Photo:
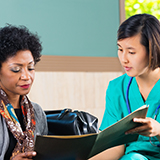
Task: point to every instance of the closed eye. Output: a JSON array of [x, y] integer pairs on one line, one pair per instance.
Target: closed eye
[[119, 49], [132, 52], [31, 69], [15, 69]]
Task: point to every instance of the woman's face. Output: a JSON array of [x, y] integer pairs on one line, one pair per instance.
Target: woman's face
[[133, 56], [17, 74]]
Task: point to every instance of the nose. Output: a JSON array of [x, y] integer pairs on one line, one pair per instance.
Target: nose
[[25, 75], [124, 57]]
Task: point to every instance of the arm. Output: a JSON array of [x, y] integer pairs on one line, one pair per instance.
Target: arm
[[109, 154], [110, 117], [41, 121]]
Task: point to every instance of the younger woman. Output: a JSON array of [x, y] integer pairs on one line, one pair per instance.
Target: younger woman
[[139, 54]]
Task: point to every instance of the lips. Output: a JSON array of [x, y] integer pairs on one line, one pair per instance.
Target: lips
[[26, 86], [127, 68]]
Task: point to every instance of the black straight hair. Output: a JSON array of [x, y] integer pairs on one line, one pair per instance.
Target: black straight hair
[[148, 27]]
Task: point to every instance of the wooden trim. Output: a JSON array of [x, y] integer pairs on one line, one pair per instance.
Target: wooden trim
[[78, 64], [122, 10]]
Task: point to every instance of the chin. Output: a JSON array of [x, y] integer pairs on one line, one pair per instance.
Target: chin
[[131, 74], [24, 92]]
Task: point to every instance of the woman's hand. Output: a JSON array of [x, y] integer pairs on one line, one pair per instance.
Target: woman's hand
[[149, 128], [25, 156]]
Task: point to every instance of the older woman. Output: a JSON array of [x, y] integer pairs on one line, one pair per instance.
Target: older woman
[[20, 119]]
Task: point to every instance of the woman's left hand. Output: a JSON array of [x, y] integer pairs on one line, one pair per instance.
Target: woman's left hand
[[149, 128], [25, 156]]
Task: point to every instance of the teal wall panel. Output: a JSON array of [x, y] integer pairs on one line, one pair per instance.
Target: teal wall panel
[[67, 27]]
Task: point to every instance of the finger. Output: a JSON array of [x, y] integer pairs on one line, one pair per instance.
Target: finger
[[137, 130], [140, 120], [29, 154]]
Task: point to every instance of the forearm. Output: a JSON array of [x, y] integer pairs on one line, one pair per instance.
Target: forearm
[[109, 154]]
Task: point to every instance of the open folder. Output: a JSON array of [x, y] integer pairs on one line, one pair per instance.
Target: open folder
[[83, 147]]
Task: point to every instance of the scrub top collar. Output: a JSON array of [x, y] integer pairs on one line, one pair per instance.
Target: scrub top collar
[[135, 95]]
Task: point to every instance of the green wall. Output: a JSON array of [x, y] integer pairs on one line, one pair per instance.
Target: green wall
[[67, 27]]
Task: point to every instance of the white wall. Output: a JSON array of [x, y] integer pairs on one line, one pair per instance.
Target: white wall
[[77, 90]]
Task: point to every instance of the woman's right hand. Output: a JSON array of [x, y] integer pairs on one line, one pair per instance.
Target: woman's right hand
[[25, 156]]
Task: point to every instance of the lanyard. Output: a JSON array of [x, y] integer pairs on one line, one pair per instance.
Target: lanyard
[[129, 110], [127, 92]]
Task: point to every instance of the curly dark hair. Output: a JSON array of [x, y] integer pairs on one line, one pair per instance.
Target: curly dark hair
[[14, 39]]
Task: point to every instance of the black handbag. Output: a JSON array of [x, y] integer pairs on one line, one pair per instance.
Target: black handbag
[[68, 122]]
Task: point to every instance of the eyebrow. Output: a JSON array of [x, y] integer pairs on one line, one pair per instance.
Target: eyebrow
[[127, 47], [19, 64]]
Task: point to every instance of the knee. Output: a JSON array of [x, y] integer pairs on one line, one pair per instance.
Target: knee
[[133, 156]]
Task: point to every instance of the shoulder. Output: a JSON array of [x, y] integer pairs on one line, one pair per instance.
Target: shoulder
[[119, 83], [120, 80], [117, 87], [38, 110], [37, 107]]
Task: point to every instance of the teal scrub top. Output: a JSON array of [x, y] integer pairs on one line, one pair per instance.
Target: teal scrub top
[[116, 109]]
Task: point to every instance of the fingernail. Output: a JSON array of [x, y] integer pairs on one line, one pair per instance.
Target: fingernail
[[34, 153], [134, 119]]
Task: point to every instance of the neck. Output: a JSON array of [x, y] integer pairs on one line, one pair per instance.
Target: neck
[[149, 78], [147, 81], [13, 98], [14, 101]]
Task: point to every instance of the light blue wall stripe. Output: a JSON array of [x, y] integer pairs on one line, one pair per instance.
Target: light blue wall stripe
[[67, 27]]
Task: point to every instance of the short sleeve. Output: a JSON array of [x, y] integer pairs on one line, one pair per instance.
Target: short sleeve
[[110, 114]]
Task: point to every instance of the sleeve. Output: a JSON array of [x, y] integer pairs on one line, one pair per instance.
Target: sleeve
[[110, 113], [41, 121]]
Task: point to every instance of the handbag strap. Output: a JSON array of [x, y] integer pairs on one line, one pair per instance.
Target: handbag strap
[[64, 112], [79, 115]]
